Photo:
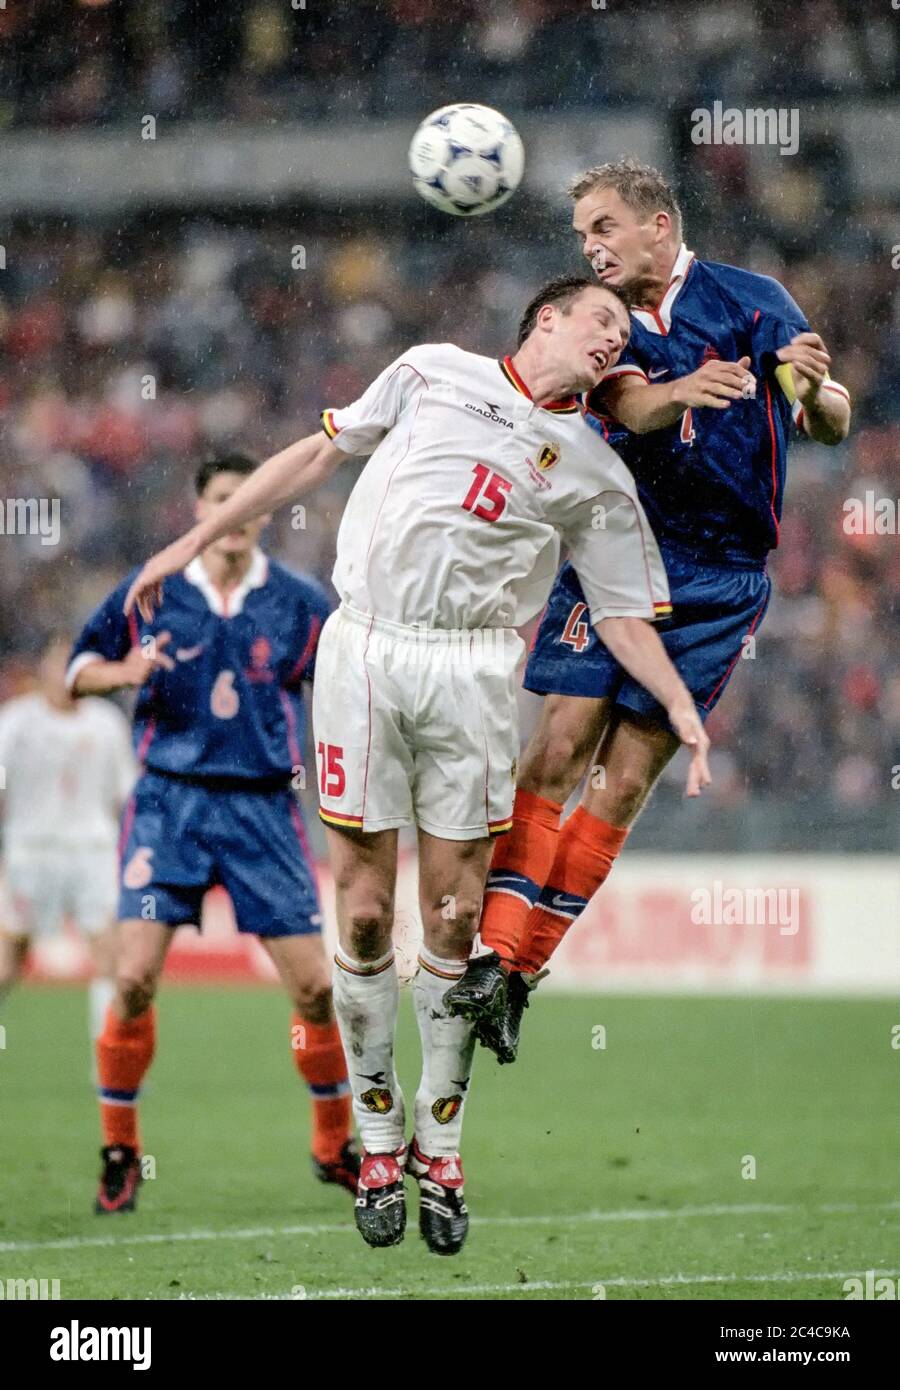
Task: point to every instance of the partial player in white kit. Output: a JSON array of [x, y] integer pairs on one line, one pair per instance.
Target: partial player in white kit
[[450, 539], [68, 770]]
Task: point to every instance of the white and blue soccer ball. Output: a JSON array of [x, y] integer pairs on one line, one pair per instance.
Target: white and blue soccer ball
[[466, 159]]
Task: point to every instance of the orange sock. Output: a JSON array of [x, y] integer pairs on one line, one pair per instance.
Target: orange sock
[[320, 1061], [124, 1052], [586, 851], [522, 860]]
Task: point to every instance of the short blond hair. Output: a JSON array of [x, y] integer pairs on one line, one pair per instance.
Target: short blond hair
[[641, 186]]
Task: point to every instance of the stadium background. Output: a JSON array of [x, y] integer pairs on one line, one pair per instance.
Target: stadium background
[[264, 256]]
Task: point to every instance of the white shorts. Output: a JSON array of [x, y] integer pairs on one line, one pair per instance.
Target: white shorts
[[416, 726], [45, 886]]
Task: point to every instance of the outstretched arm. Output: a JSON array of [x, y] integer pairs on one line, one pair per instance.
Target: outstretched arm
[[282, 477], [642, 406]]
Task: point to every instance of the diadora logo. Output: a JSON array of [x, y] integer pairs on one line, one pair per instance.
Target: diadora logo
[[492, 413]]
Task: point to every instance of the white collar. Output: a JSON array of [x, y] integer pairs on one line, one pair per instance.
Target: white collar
[[659, 320], [230, 604]]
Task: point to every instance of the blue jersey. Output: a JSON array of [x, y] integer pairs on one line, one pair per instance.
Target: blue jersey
[[712, 484], [232, 706]]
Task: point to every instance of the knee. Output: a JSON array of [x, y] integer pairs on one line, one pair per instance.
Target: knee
[[312, 998], [368, 927], [625, 793], [135, 991], [554, 767], [451, 925]]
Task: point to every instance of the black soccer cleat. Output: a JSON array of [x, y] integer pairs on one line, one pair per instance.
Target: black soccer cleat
[[119, 1180], [480, 993], [344, 1171], [501, 1035], [380, 1199], [443, 1214]]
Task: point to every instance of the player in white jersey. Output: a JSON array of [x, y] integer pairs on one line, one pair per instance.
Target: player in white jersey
[[68, 769], [450, 539]]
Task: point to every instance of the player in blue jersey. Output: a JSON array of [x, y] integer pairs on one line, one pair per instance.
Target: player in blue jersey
[[720, 367], [219, 727]]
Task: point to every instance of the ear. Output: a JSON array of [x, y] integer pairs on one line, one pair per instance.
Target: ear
[[545, 317], [663, 225]]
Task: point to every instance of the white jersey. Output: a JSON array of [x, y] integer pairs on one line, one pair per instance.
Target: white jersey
[[67, 774], [456, 519]]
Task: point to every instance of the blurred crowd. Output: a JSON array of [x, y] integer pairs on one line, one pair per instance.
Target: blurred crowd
[[77, 62]]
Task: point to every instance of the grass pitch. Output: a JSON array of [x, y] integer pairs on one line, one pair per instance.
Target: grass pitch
[[622, 1170]]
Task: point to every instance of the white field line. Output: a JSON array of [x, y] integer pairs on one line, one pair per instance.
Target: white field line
[[553, 1286], [348, 1228]]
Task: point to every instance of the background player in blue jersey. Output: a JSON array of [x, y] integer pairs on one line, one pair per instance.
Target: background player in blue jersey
[[219, 727], [720, 367]]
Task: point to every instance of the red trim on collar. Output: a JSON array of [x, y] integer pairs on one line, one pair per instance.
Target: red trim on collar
[[509, 371], [506, 366]]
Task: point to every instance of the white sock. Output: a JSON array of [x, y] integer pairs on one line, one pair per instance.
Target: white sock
[[447, 1048], [366, 998], [100, 996]]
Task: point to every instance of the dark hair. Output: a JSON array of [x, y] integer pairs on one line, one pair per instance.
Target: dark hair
[[641, 186], [562, 291], [225, 463]]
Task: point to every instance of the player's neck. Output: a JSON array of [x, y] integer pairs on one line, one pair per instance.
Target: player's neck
[[541, 378], [60, 701], [226, 571], [648, 291]]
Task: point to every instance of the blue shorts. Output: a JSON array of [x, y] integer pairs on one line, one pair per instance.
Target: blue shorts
[[714, 611], [180, 839]]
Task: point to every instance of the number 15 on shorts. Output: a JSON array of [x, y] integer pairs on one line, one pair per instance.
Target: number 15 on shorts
[[332, 781]]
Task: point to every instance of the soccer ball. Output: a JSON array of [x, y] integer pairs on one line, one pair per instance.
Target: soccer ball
[[466, 159]]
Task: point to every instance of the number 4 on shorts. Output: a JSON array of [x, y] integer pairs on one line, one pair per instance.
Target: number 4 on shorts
[[332, 781], [576, 632]]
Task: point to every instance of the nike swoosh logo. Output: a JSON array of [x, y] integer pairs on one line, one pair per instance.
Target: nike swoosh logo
[[188, 653], [662, 371], [561, 902]]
